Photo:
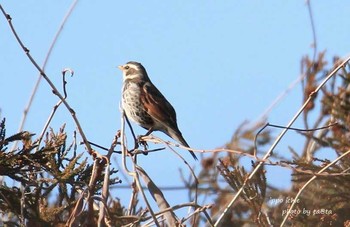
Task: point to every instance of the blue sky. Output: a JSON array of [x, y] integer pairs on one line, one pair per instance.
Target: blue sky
[[219, 64]]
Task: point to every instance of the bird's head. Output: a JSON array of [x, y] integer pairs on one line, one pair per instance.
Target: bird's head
[[133, 71]]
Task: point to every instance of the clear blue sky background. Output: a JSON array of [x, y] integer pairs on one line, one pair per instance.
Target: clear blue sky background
[[219, 64]]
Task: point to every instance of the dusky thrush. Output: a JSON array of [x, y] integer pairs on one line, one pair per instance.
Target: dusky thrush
[[144, 104]]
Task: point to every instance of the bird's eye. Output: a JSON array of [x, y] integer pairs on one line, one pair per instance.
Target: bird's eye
[[126, 67]]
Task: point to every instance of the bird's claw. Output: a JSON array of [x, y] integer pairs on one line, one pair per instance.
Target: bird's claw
[[140, 141]]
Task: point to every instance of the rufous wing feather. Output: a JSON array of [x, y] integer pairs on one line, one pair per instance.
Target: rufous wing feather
[[160, 109]]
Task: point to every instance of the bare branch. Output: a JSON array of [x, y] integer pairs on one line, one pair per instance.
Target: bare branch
[[47, 57], [42, 73]]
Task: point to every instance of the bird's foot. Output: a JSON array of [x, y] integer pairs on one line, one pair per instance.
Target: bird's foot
[[143, 143]]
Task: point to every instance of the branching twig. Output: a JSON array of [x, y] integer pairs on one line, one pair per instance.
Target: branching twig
[[47, 57], [42, 73], [287, 128], [64, 82]]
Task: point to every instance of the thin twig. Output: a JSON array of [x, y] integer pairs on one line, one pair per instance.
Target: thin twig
[[304, 130], [136, 142], [101, 147], [312, 144], [313, 29], [288, 128], [280, 97], [123, 145], [154, 139], [308, 172]]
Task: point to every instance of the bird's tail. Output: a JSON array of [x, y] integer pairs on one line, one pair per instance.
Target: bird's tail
[[178, 137]]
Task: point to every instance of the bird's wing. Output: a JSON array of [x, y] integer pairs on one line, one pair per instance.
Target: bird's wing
[[157, 106]]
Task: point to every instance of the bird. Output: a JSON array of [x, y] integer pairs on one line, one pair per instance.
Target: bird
[[145, 105]]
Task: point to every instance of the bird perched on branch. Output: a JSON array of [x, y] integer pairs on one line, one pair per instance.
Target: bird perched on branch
[[144, 103]]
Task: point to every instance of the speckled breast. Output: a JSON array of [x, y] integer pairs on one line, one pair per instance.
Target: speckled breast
[[133, 107]]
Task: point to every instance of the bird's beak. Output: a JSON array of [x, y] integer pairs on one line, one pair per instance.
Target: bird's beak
[[121, 67]]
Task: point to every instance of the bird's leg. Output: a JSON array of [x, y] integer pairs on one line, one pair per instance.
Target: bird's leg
[[139, 138], [144, 143], [150, 130]]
